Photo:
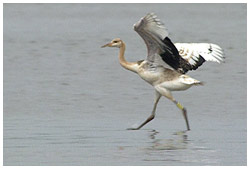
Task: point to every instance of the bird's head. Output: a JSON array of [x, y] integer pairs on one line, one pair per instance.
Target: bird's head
[[117, 42]]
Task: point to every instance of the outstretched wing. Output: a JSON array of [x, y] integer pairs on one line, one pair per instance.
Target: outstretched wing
[[161, 50]]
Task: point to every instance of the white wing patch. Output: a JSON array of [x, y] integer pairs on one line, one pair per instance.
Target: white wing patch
[[191, 52]]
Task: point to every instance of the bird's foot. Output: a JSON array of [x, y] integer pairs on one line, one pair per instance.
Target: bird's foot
[[133, 128]]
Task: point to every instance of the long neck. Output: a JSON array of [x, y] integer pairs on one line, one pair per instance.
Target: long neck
[[132, 66]]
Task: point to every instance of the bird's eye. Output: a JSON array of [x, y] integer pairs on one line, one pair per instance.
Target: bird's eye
[[115, 41]]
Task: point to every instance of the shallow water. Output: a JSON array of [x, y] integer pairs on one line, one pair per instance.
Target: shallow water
[[68, 102]]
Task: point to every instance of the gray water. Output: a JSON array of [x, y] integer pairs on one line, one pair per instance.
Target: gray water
[[68, 102]]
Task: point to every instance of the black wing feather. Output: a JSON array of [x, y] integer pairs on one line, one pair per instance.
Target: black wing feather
[[172, 58]]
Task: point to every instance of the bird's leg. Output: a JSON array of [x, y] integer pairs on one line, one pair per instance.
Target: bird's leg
[[168, 95], [152, 116], [184, 111]]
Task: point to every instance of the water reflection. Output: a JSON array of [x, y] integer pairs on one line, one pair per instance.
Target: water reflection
[[178, 141], [177, 148]]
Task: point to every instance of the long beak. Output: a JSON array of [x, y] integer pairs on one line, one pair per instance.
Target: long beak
[[108, 44]]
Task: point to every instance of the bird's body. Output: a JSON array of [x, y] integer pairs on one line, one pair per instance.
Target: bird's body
[[159, 76], [167, 63]]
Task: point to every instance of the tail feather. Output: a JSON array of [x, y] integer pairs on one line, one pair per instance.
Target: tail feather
[[190, 81], [199, 83]]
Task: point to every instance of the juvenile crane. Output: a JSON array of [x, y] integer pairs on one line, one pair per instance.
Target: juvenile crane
[[166, 63]]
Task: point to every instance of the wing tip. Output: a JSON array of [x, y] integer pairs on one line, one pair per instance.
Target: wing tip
[[152, 14], [217, 53], [152, 24]]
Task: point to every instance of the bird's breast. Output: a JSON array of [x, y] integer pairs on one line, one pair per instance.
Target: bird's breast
[[149, 73]]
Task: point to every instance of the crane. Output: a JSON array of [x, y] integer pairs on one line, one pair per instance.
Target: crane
[[166, 63]]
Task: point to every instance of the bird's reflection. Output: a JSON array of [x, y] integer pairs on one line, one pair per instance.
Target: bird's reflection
[[178, 140], [153, 133]]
